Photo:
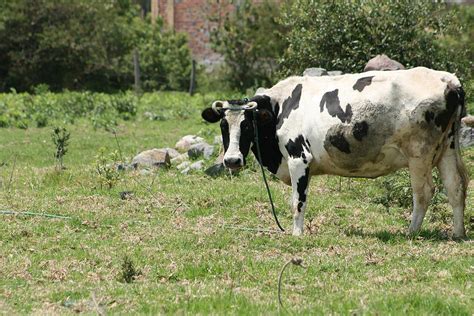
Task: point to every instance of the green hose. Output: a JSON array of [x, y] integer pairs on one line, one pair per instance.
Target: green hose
[[34, 214]]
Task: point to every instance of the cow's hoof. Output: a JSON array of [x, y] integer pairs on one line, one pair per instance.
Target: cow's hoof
[[297, 232], [459, 236], [412, 234]]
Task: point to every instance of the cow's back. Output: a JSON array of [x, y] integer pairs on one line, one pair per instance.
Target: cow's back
[[366, 124]]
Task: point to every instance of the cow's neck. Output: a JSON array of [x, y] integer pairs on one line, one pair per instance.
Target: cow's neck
[[268, 142], [271, 155]]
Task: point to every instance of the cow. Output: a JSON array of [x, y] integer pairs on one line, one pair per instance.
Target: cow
[[354, 125]]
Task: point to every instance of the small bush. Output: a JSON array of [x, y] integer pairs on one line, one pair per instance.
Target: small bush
[[128, 272], [106, 169], [60, 137]]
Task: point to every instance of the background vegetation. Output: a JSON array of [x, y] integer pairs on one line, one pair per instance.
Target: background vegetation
[[344, 35], [86, 45]]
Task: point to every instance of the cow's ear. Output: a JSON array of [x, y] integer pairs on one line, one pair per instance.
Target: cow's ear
[[210, 115], [265, 117]]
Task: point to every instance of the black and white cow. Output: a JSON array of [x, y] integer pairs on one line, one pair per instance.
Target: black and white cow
[[354, 125]]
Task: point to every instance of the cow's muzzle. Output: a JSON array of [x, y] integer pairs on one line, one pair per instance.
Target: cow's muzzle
[[233, 163]]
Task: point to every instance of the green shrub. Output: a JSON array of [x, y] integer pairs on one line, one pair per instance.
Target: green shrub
[[344, 35], [397, 191], [106, 169], [60, 138], [86, 45]]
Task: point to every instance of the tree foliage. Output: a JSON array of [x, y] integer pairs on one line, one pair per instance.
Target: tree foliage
[[84, 44], [344, 35], [249, 38]]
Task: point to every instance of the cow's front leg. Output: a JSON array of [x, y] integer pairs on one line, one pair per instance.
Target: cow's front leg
[[299, 173]]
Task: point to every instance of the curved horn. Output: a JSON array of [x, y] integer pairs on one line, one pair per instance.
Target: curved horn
[[217, 106], [251, 105]]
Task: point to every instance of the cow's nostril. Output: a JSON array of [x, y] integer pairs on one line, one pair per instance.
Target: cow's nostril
[[233, 162]]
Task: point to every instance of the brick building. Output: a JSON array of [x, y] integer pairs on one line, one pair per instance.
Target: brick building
[[193, 18]]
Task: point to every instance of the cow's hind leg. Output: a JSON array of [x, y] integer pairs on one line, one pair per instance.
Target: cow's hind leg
[[422, 185], [455, 181]]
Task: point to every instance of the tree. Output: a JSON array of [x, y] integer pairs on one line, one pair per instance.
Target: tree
[[84, 44], [344, 35], [249, 38]]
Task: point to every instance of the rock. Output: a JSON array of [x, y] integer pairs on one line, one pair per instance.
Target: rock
[[201, 149], [149, 115], [217, 140], [152, 158], [218, 168], [126, 195], [335, 73], [124, 167], [215, 170], [260, 90], [184, 143], [183, 165], [468, 120], [383, 62], [180, 158], [466, 137], [198, 165], [315, 72], [144, 172], [172, 152]]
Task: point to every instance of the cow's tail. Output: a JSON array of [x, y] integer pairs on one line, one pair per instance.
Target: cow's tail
[[456, 96]]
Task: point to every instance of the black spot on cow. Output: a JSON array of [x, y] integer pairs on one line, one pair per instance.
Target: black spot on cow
[[339, 141], [296, 147], [331, 100], [301, 188], [246, 137], [360, 130], [225, 133], [290, 104], [276, 109], [429, 116], [454, 98], [361, 83]]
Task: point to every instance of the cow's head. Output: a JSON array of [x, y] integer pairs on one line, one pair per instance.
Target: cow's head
[[237, 126]]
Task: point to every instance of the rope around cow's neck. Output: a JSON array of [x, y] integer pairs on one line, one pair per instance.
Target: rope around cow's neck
[[259, 158]]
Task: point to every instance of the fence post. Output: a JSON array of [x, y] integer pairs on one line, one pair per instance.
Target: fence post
[[136, 71], [192, 82]]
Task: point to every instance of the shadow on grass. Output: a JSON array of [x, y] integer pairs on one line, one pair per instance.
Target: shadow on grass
[[387, 236]]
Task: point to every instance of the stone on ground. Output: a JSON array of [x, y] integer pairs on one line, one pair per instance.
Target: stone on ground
[[152, 158], [383, 62], [180, 158], [468, 120], [315, 72], [335, 73], [198, 165], [200, 149], [185, 142]]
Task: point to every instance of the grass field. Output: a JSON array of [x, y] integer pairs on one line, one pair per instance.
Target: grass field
[[180, 236]]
